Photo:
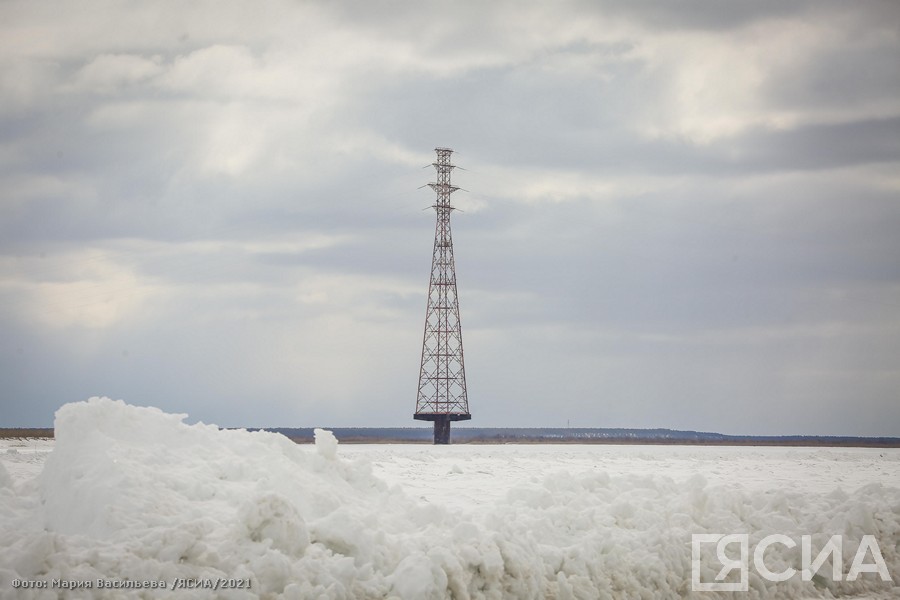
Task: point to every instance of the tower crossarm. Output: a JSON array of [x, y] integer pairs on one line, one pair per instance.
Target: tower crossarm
[[443, 188]]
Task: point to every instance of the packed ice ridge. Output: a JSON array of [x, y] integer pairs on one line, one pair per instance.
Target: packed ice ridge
[[135, 493]]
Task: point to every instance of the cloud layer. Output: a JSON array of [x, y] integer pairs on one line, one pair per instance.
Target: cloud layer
[[675, 218]]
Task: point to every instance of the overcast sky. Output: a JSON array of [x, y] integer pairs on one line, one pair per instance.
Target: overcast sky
[[678, 215]]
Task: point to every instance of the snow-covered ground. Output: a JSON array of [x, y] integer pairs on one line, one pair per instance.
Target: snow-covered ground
[[129, 494], [476, 477]]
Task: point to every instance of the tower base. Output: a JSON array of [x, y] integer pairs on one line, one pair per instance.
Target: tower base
[[441, 424]]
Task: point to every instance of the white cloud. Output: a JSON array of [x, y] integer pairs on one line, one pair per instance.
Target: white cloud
[[82, 290], [109, 73], [718, 84]]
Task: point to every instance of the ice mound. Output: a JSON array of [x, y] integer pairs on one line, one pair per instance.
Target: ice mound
[[133, 493], [326, 443]]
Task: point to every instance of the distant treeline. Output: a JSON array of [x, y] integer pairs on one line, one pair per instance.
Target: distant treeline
[[26, 432], [503, 435], [546, 435]]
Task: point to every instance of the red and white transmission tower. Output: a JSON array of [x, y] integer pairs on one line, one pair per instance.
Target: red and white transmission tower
[[442, 377]]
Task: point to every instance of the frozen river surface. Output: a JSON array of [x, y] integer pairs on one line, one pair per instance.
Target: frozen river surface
[[130, 496], [473, 477]]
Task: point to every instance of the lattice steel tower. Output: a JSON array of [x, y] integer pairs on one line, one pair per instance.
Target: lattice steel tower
[[442, 377]]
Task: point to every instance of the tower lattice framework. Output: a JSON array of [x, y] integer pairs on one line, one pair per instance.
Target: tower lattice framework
[[442, 396]]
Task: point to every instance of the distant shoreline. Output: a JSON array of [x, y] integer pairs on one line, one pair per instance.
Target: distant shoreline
[[613, 442], [545, 436]]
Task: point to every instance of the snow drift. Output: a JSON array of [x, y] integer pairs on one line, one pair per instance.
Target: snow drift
[[133, 493]]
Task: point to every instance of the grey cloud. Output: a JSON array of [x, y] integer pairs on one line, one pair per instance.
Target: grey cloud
[[845, 75], [813, 147], [696, 14]]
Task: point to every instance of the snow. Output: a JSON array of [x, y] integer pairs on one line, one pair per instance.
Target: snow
[[326, 443], [128, 493], [477, 476]]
